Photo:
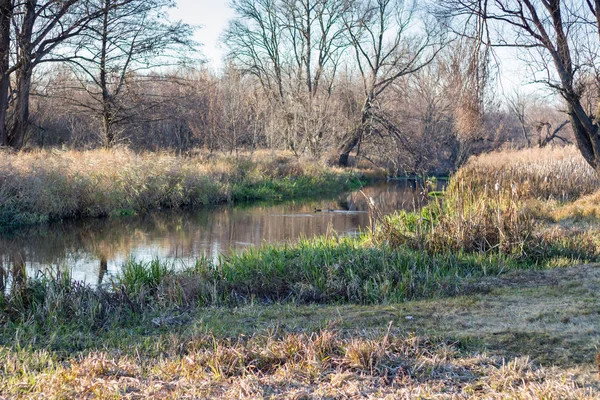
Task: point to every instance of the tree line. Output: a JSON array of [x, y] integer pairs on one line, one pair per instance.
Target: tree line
[[411, 86]]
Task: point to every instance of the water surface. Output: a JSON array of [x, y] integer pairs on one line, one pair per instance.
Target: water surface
[[94, 250]]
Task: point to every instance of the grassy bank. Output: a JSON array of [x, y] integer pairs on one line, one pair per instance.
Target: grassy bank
[[347, 270], [50, 185], [525, 335]]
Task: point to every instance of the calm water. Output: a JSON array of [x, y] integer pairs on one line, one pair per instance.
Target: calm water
[[94, 250]]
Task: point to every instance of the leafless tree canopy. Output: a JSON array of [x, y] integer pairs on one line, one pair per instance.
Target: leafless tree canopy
[[560, 40], [402, 84]]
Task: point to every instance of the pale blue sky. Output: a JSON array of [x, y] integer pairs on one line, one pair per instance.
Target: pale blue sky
[[212, 15]]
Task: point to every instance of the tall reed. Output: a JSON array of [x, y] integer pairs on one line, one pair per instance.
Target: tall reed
[[49, 185], [558, 173]]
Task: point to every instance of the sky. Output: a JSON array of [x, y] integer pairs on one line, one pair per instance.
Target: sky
[[212, 16]]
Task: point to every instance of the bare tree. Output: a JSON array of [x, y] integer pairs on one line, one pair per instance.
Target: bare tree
[[386, 49], [517, 103], [293, 47], [117, 51], [254, 39], [547, 137], [37, 28], [534, 114], [315, 31], [6, 8], [561, 39]]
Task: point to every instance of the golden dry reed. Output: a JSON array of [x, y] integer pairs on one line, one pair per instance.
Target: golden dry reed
[[558, 173], [49, 185]]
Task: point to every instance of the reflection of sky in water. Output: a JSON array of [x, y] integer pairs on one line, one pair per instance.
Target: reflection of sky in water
[[96, 249]]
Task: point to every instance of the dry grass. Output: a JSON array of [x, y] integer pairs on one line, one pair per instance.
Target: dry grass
[[47, 185], [558, 173], [584, 208], [554, 184], [325, 364], [508, 202], [488, 344], [466, 219], [489, 222]]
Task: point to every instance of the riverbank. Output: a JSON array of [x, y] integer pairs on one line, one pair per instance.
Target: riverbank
[[54, 185], [525, 335], [484, 290]]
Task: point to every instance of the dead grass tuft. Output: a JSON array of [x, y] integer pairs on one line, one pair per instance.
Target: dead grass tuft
[[291, 366]]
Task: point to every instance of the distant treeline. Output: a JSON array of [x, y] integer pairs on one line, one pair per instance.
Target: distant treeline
[[379, 82]]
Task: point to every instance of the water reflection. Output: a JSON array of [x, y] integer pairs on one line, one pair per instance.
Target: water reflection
[[94, 250]]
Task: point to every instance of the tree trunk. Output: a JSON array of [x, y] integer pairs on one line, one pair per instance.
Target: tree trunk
[[107, 112], [348, 145], [107, 126], [19, 130], [586, 134], [24, 73], [354, 137], [5, 18]]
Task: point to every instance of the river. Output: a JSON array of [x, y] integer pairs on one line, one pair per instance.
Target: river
[[94, 250]]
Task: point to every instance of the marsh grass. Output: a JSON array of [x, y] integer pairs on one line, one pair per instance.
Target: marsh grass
[[559, 173], [50, 185], [506, 203], [492, 222]]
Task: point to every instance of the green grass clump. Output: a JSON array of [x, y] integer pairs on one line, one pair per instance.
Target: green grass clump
[[345, 270], [330, 270], [137, 278], [292, 187]]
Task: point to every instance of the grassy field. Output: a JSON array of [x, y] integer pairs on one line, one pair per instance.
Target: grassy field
[[50, 185], [485, 293], [522, 335]]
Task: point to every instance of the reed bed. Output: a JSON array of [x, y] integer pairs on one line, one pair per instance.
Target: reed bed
[[558, 173], [488, 221], [50, 185], [506, 203]]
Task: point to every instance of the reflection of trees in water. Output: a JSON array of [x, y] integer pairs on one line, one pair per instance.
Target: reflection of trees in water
[[3, 274], [18, 276], [401, 195], [103, 269], [12, 268], [190, 234]]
